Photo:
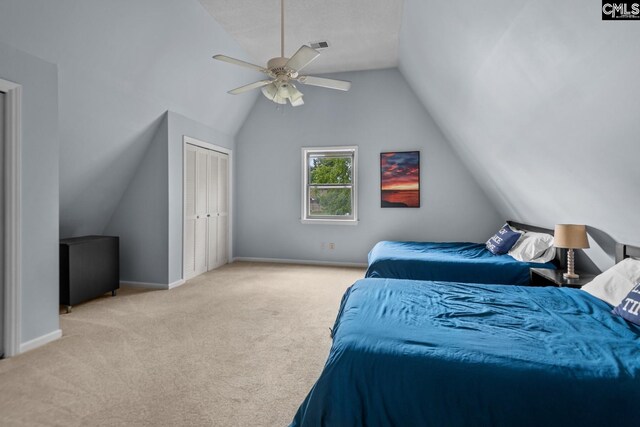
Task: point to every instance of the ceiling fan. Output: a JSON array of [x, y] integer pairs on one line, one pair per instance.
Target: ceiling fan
[[283, 72]]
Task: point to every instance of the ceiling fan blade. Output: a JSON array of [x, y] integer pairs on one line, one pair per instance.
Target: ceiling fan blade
[[247, 88], [324, 82], [230, 60], [302, 58]]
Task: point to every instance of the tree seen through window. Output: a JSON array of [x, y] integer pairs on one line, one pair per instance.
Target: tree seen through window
[[330, 186]]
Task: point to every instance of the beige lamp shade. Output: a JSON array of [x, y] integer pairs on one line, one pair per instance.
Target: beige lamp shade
[[572, 236]]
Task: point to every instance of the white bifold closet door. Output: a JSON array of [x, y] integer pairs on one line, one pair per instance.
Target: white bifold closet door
[[206, 210]]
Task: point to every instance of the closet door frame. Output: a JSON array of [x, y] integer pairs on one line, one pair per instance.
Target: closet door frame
[[12, 202], [187, 140]]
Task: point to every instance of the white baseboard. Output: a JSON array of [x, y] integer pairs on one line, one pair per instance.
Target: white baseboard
[[40, 341], [302, 262], [149, 285], [145, 285], [176, 283]]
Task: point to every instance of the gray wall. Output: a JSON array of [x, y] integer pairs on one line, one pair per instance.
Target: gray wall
[[148, 218], [39, 233], [141, 218], [380, 113], [540, 99], [122, 64]]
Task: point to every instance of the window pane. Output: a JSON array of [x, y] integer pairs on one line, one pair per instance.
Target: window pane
[[330, 170], [330, 202]]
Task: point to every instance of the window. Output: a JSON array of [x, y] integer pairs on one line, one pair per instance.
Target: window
[[329, 189]]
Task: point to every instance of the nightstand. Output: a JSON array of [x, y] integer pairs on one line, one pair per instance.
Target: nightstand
[[549, 277]]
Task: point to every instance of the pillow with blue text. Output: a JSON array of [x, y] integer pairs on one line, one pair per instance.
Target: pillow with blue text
[[503, 240], [629, 308]]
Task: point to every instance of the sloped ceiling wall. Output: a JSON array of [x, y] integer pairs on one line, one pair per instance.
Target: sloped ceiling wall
[[121, 65], [541, 99]]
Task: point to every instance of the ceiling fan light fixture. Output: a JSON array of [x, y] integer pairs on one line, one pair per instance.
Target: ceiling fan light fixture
[[284, 90], [295, 96], [271, 92], [296, 102], [280, 93]]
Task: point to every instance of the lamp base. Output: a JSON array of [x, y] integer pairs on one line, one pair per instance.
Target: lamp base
[[571, 272]]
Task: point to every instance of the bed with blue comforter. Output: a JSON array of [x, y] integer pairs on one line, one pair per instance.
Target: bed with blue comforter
[[451, 354], [448, 261]]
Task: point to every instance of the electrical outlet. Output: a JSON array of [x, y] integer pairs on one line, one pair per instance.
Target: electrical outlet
[[332, 246]]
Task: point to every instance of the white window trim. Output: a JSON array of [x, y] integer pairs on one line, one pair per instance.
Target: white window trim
[[305, 178], [12, 224]]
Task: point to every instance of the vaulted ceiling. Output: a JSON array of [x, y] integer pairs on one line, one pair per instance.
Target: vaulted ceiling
[[121, 65], [363, 34], [541, 100]]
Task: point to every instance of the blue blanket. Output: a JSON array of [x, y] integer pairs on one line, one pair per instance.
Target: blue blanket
[[451, 354], [450, 262]]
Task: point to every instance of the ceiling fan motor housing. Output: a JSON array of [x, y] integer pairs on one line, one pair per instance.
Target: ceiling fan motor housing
[[277, 67]]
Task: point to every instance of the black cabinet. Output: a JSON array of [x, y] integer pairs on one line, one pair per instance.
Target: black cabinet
[[89, 267]]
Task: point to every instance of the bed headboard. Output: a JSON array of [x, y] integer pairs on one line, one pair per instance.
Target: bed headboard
[[559, 260], [626, 251], [532, 228]]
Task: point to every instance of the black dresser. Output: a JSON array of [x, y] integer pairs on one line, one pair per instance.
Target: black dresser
[[89, 268]]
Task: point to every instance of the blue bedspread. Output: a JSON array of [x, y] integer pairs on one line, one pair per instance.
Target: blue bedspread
[[451, 354], [450, 262]]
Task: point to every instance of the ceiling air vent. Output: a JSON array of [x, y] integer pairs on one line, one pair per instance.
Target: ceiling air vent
[[319, 45]]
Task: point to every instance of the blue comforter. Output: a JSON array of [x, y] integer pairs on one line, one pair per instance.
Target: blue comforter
[[451, 354], [450, 262]]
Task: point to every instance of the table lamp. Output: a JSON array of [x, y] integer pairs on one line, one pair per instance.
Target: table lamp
[[570, 237]]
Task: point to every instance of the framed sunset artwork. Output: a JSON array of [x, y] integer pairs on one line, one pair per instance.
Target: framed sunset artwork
[[400, 179]]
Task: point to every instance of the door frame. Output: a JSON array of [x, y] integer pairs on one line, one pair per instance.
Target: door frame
[[11, 244], [187, 140]]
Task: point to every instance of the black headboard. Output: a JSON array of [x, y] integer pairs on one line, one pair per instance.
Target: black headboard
[[532, 228], [626, 251], [559, 260]]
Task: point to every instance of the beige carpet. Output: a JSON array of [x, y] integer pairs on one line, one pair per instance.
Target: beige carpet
[[240, 346]]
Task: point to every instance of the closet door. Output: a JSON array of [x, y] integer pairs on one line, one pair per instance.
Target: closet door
[[202, 162], [190, 212], [212, 211], [206, 226], [223, 209]]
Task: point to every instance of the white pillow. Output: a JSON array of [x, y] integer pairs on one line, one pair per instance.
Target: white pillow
[[534, 247], [614, 284]]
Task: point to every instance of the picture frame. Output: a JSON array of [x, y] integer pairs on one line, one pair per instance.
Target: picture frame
[[400, 179]]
